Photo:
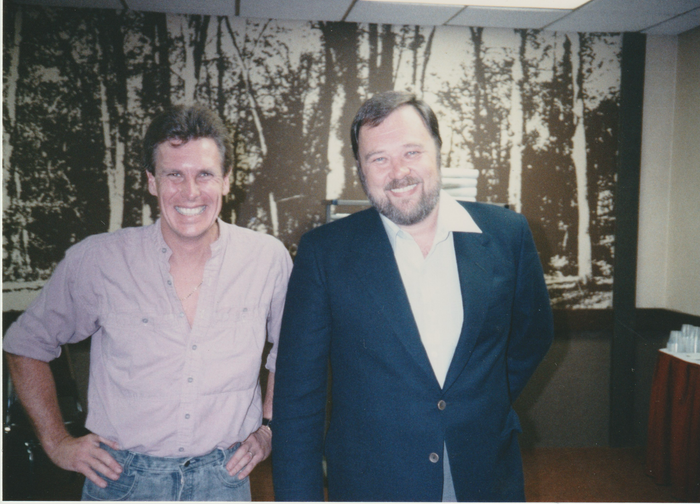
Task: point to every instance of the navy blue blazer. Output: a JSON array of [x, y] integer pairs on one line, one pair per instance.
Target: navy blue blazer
[[346, 302]]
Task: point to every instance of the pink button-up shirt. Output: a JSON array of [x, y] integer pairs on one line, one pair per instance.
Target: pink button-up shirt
[[156, 385]]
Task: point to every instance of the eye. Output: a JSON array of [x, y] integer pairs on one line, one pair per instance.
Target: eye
[[173, 175], [206, 176]]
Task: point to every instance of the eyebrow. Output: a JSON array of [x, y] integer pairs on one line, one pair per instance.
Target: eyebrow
[[373, 153], [381, 151]]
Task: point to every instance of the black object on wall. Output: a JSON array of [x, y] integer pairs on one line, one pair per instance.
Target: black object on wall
[[623, 349]]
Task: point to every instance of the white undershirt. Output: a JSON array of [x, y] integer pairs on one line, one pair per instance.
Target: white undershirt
[[432, 282]]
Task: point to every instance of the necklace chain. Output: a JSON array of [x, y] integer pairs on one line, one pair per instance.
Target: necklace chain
[[193, 291]]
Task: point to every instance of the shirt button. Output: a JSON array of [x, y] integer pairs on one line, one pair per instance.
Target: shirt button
[[190, 379], [442, 405], [164, 250], [434, 457], [194, 347], [187, 416], [144, 320], [170, 282], [181, 449], [182, 314]]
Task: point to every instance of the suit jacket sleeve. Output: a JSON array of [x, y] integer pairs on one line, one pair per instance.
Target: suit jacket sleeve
[[301, 382], [532, 327]]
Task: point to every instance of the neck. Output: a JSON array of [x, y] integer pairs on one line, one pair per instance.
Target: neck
[[423, 232], [190, 250]]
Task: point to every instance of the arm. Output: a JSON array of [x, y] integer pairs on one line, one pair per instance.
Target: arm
[[36, 390], [532, 328], [258, 445]]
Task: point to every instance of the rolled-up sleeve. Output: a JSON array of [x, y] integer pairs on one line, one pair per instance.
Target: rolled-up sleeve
[[62, 312], [274, 319]]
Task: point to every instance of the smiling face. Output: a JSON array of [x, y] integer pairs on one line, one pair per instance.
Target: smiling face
[[189, 184], [399, 163]]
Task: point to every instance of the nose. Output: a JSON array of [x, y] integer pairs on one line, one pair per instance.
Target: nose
[[190, 188], [400, 168]]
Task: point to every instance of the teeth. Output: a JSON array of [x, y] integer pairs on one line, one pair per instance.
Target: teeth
[[404, 189], [190, 211]]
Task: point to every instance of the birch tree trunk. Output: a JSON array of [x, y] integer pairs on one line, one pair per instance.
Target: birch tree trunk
[[274, 219], [254, 108], [426, 58], [18, 245], [179, 26], [114, 163], [335, 178], [10, 107], [516, 121], [579, 157]]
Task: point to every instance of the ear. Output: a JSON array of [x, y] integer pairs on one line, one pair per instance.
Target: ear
[[360, 173], [227, 183], [152, 186]]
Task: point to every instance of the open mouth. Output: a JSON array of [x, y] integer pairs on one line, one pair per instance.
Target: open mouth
[[190, 211], [403, 189], [404, 185]]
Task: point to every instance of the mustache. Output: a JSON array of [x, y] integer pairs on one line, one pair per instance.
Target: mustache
[[399, 183]]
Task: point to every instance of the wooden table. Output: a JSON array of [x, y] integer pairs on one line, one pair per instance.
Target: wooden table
[[673, 443]]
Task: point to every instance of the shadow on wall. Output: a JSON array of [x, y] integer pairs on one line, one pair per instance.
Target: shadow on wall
[[530, 399], [566, 402]]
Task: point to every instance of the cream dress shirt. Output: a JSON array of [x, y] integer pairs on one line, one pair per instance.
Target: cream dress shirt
[[432, 282]]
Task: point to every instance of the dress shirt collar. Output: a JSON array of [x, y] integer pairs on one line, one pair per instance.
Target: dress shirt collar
[[452, 217], [216, 247]]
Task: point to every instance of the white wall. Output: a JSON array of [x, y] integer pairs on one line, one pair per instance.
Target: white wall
[[655, 183], [668, 267], [683, 281]]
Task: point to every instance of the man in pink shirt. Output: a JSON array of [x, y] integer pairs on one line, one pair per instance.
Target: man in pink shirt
[[179, 312]]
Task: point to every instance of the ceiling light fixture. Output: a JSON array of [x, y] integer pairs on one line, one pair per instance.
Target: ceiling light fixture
[[520, 4]]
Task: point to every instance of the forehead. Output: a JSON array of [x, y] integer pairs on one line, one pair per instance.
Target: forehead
[[403, 125], [200, 153]]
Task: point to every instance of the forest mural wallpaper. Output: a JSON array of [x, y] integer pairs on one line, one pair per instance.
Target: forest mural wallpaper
[[536, 113]]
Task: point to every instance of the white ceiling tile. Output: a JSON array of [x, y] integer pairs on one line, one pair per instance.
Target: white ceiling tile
[[507, 18], [622, 15], [211, 7], [676, 25], [661, 17], [405, 14], [306, 10]]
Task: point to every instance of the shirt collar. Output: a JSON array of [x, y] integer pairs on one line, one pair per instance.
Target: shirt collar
[[452, 217], [166, 252]]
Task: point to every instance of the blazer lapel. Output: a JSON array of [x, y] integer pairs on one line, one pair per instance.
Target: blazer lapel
[[475, 277], [376, 266]]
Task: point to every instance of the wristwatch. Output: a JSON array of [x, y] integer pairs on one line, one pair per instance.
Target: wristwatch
[[267, 422]]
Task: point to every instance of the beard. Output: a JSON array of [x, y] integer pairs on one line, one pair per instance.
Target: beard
[[410, 216]]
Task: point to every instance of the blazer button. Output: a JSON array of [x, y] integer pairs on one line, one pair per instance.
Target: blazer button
[[442, 405], [434, 457]]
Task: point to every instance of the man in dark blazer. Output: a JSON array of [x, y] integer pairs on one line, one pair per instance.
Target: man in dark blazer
[[433, 313]]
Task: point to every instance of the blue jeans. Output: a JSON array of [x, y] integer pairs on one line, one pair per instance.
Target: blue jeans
[[147, 478]]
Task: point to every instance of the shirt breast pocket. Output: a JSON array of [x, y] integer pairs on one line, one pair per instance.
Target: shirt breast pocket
[[141, 351]]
